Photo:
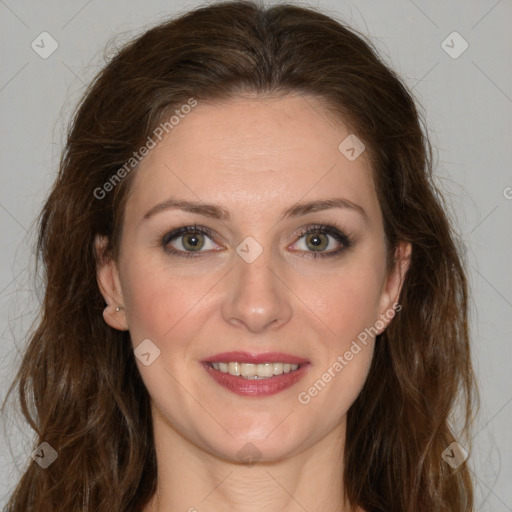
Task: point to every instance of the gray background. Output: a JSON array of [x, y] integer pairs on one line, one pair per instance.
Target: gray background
[[468, 106]]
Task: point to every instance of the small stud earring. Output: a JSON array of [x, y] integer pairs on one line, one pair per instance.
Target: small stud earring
[[118, 309]]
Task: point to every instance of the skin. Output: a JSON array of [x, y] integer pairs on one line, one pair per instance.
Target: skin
[[255, 157]]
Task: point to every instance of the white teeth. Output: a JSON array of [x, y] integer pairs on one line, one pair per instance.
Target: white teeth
[[233, 369], [255, 371]]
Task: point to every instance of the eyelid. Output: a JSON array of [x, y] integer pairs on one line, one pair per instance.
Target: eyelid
[[168, 236], [338, 234], [343, 239], [181, 230]]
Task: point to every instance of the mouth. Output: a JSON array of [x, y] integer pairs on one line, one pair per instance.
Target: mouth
[[251, 371], [256, 375]]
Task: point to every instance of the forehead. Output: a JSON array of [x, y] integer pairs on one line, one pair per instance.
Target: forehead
[[251, 153]]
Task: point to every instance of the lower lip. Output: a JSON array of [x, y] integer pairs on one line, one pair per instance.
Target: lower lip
[[257, 387]]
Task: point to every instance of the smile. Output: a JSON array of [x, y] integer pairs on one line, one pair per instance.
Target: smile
[[256, 380], [254, 371]]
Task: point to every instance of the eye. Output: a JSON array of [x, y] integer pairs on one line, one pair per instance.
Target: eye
[[187, 240], [322, 241], [315, 241]]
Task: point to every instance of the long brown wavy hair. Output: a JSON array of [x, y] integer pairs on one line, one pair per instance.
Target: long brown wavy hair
[[79, 387]]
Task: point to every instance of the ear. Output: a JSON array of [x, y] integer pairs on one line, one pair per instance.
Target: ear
[[393, 285], [107, 276]]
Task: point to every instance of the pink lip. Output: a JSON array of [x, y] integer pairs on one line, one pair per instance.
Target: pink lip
[[255, 388], [247, 357]]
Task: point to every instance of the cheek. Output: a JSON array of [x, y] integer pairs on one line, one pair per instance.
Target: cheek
[[158, 301], [348, 307], [347, 301]]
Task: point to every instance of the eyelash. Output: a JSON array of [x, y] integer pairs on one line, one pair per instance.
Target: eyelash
[[345, 240]]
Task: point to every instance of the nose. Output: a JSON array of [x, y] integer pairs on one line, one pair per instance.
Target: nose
[[257, 298]]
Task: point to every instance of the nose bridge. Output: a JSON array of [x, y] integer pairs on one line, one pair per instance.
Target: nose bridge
[[256, 297]]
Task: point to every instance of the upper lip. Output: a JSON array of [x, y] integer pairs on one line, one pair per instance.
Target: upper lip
[[252, 358]]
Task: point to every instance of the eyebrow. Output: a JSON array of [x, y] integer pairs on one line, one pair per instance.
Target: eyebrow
[[218, 212]]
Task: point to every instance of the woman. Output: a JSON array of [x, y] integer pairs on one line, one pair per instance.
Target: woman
[[253, 295]]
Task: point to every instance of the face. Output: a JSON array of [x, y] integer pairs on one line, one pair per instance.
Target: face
[[247, 230]]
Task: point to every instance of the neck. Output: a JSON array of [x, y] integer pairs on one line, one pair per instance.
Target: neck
[[193, 478]]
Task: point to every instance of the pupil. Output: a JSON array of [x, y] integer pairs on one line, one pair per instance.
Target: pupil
[[192, 241], [316, 241]]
